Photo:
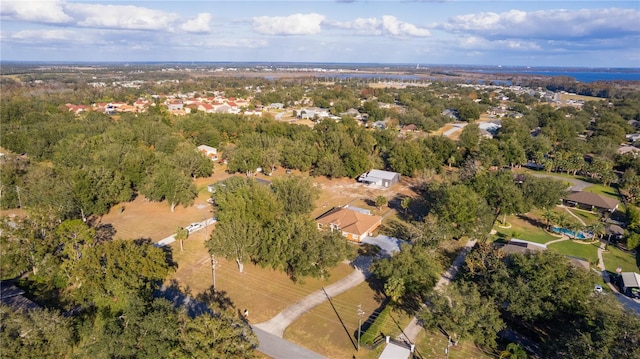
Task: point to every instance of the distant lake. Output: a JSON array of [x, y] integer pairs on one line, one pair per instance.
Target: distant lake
[[345, 76], [581, 76]]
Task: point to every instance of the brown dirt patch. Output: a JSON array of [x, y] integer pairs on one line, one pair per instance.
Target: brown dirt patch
[[142, 218]]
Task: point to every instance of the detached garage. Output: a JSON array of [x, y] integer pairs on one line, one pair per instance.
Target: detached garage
[[380, 178]]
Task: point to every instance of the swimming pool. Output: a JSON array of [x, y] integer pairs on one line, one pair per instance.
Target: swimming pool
[[570, 233]]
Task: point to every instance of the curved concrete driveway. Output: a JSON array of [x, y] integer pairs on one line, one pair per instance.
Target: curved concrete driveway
[[282, 320], [576, 184]]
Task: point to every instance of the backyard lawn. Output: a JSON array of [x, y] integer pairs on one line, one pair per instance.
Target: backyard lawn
[[523, 228], [432, 345], [614, 258], [588, 251]]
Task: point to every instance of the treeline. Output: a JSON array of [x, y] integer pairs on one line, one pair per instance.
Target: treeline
[[542, 296], [101, 298], [97, 161]]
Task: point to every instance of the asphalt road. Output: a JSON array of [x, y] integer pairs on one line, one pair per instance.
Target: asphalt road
[[277, 347]]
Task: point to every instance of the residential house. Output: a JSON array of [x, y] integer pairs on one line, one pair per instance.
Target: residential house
[[627, 149], [13, 297], [591, 201], [175, 105], [519, 246], [409, 128], [206, 107], [380, 178], [209, 151], [354, 224], [525, 247]]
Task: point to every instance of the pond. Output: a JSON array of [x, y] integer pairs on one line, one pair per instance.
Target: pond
[[570, 233]]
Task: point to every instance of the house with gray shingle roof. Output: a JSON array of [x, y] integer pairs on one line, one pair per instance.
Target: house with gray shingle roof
[[591, 201]]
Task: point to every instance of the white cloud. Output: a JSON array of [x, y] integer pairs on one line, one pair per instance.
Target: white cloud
[[394, 27], [48, 36], [48, 12], [297, 24], [120, 17], [479, 43], [230, 43], [387, 25], [199, 24], [549, 24]]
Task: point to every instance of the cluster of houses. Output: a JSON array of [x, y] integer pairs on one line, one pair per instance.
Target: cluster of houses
[[175, 104]]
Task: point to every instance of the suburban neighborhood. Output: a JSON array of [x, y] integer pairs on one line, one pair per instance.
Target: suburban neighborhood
[[303, 215]]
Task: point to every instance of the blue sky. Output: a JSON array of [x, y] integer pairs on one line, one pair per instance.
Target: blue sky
[[526, 33]]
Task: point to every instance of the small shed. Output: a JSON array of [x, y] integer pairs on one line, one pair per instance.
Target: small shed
[[630, 284], [380, 178]]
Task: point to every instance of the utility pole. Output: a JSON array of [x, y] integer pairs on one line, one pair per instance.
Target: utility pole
[[213, 270], [360, 314]]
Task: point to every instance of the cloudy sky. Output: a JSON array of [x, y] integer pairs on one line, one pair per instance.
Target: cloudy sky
[[528, 33]]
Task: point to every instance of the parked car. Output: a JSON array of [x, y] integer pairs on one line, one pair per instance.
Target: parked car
[[193, 227]]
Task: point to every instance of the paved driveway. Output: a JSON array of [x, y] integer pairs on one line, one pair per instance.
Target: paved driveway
[[387, 244], [576, 184]]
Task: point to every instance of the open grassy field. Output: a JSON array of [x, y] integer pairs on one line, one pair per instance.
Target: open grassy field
[[588, 251], [614, 258], [571, 96]]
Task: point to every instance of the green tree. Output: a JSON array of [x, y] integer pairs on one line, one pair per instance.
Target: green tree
[[115, 274], [381, 201], [40, 333], [297, 192], [181, 235], [461, 312], [513, 351], [193, 163], [144, 329], [406, 157], [416, 266], [470, 138], [405, 203], [168, 183], [214, 335], [235, 238]]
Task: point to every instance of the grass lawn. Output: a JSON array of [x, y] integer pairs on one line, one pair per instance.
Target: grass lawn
[[432, 345], [331, 327], [523, 228], [588, 251], [603, 190], [615, 257], [586, 216], [264, 292]]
